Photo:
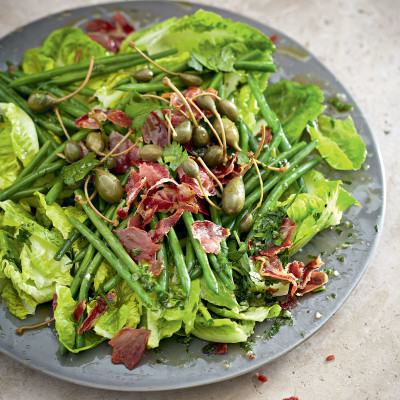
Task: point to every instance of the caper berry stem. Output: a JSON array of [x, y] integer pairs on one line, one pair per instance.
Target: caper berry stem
[[171, 129], [167, 82], [207, 121], [93, 115], [206, 196], [200, 160], [225, 157], [261, 186], [57, 112], [153, 96]]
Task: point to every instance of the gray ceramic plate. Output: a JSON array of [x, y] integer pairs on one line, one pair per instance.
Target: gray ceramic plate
[[173, 367]]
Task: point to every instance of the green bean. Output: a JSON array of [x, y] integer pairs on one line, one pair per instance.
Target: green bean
[[279, 189], [179, 259], [23, 194], [29, 179], [221, 275], [271, 118], [200, 254], [190, 258], [163, 278], [216, 80], [252, 197], [255, 66], [36, 160], [80, 135], [55, 191], [252, 183], [149, 87], [181, 67], [81, 255], [72, 77], [244, 138], [7, 80], [196, 273], [115, 262], [112, 241], [84, 92], [44, 76]]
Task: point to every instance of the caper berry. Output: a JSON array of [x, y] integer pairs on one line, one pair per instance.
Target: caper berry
[[72, 151], [151, 152], [233, 196], [206, 102], [41, 101], [246, 223], [213, 156], [144, 75], [190, 168], [95, 142], [200, 136], [108, 186], [231, 132], [110, 162], [191, 80], [183, 132], [229, 109]]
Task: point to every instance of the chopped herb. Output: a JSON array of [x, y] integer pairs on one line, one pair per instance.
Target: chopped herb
[[73, 173], [174, 155], [349, 234], [347, 182], [376, 229], [303, 333], [341, 259], [333, 295], [209, 348], [247, 346], [320, 289], [339, 231], [340, 106], [194, 64], [159, 361], [286, 314], [242, 159], [135, 252], [186, 340], [139, 108]]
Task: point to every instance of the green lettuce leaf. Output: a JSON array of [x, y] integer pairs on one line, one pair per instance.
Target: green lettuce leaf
[[222, 330], [66, 326], [224, 298], [295, 105], [18, 303], [58, 216], [318, 209], [60, 48], [339, 142], [18, 142], [214, 42], [126, 296], [258, 314]]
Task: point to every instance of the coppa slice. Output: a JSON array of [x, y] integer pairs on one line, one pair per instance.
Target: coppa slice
[[209, 235]]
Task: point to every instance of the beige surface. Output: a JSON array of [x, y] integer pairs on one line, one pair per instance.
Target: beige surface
[[360, 44]]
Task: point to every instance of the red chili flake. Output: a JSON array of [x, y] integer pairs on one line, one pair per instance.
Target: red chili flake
[[262, 378], [330, 358], [215, 348], [251, 356], [274, 38], [55, 297], [292, 398]]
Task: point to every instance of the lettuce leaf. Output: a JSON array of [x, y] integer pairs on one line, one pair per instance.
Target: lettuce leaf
[[215, 42], [318, 209], [126, 296], [60, 49], [339, 142], [295, 105], [224, 298], [18, 142], [258, 314], [66, 326], [222, 330]]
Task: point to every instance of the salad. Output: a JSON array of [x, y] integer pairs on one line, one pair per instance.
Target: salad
[[154, 183]]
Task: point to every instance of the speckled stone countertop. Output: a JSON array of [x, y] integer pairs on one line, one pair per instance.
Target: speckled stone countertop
[[359, 41]]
